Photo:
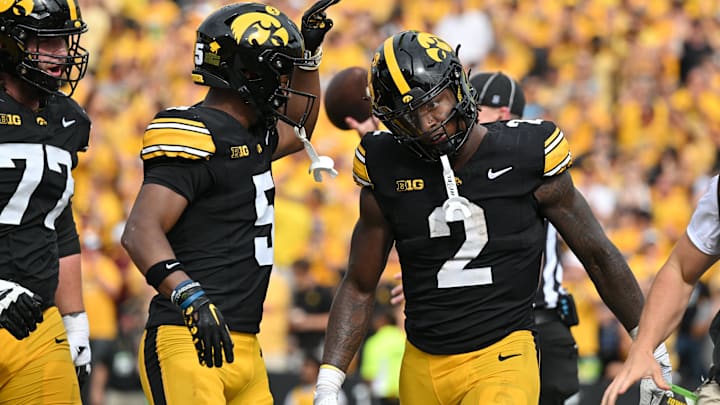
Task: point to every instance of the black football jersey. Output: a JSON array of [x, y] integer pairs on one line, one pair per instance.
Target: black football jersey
[[467, 283], [224, 238], [38, 151]]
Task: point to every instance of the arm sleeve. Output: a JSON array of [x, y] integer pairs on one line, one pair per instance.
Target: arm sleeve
[[67, 237]]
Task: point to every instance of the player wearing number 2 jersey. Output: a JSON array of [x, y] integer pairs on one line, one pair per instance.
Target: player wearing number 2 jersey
[[498, 246], [464, 205]]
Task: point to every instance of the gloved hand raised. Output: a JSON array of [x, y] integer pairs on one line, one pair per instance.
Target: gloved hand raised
[[315, 24]]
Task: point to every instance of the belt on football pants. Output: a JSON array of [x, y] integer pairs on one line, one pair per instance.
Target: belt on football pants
[[546, 315]]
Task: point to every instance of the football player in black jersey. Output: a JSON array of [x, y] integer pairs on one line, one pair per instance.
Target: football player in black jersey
[[464, 204], [43, 326], [201, 229], [500, 99]]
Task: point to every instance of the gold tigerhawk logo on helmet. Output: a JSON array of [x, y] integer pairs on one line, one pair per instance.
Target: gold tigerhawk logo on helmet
[[258, 28], [19, 7], [437, 49]]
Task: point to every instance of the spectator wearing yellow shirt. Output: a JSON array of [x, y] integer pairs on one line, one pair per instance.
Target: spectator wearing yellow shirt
[[275, 325]]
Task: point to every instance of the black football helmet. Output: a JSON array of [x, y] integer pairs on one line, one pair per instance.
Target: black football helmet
[[24, 22], [247, 47], [410, 69]]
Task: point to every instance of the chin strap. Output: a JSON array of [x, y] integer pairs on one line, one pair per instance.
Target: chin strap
[[319, 164], [456, 207]]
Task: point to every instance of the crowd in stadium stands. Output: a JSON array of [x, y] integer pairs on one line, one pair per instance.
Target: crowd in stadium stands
[[634, 85]]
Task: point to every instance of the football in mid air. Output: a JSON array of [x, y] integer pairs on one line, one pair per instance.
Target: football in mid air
[[346, 96]]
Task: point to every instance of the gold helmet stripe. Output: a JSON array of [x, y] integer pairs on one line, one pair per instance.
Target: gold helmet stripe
[[393, 66], [73, 10]]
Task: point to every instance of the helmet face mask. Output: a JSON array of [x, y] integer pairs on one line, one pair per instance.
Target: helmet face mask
[[252, 49], [412, 75], [28, 26]]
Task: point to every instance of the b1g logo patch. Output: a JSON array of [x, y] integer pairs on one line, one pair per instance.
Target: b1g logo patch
[[410, 185], [10, 119]]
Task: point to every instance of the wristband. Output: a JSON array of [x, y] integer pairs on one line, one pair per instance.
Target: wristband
[[330, 379], [76, 323], [312, 60], [185, 293], [160, 270]]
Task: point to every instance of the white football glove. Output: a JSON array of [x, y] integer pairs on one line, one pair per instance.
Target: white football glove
[[78, 333], [650, 394], [20, 309], [327, 388]]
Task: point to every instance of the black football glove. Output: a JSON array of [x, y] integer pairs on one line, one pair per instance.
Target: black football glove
[[20, 309], [210, 334], [83, 374], [315, 24]]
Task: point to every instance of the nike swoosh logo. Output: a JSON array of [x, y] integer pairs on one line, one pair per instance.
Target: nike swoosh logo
[[58, 340], [66, 124], [170, 266], [510, 356], [494, 175]]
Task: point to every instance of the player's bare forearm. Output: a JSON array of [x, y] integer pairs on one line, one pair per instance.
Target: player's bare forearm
[[615, 283], [671, 290], [308, 82], [156, 210], [349, 320], [68, 296], [353, 304], [570, 213]]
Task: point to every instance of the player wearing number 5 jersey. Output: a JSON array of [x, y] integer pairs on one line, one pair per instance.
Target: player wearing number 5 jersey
[[201, 229], [464, 205]]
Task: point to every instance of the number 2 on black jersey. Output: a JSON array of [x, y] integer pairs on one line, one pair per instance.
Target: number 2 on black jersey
[[35, 155], [453, 272]]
